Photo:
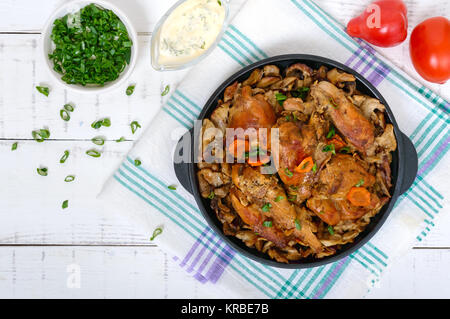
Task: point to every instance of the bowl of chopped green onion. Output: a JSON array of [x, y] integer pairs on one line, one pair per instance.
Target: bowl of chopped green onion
[[89, 46]]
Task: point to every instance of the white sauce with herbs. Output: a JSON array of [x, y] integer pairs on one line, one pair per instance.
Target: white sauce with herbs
[[190, 30]]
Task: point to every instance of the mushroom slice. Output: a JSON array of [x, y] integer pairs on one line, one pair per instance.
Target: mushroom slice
[[215, 179], [271, 70], [267, 81], [287, 84], [220, 117], [338, 78], [296, 104], [299, 70], [254, 78], [230, 92]]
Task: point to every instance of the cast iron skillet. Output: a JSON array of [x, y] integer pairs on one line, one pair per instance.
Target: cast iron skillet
[[403, 166]]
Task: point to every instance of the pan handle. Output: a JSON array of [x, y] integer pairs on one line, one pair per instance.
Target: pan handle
[[182, 168], [410, 164]]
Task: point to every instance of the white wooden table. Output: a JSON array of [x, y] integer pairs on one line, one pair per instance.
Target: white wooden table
[[40, 244]]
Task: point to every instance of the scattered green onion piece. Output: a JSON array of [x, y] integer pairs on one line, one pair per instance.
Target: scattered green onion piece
[[360, 183], [130, 90], [158, 231], [137, 162], [280, 97], [69, 178], [331, 133], [301, 92], [134, 126], [314, 168], [288, 118], [14, 146], [172, 187], [345, 149], [65, 204], [122, 139], [98, 140], [219, 2], [279, 198], [69, 107], [330, 230], [267, 223], [43, 90], [292, 198], [329, 148], [40, 135], [103, 122], [266, 207], [106, 122], [64, 157], [166, 90], [64, 115], [288, 172], [297, 224], [211, 195], [42, 171], [93, 153]]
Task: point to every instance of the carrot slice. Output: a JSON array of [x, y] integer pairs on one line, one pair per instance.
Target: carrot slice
[[263, 159], [359, 196], [305, 166], [338, 142], [238, 146]]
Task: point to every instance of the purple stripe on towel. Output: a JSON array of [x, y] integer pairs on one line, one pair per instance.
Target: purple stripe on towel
[[435, 156], [221, 262], [331, 278], [193, 248], [379, 74]]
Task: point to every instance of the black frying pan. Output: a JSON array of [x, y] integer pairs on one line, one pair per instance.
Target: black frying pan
[[403, 166]]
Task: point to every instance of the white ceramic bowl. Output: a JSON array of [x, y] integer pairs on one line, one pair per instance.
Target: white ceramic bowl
[[47, 45]]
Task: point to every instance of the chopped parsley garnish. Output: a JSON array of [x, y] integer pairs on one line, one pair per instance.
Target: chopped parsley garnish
[[267, 223], [360, 183], [43, 90], [266, 207], [92, 46]]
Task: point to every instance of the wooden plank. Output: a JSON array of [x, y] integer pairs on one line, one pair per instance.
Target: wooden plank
[[146, 272]]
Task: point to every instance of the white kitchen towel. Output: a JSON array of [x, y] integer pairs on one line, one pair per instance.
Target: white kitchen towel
[[261, 29]]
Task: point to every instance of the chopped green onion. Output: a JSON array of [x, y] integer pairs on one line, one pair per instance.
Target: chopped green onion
[[301, 92], [211, 195], [42, 171], [331, 133], [292, 198], [279, 198], [330, 230], [93, 153], [130, 90], [103, 122], [68, 107], [266, 207], [287, 118], [267, 223], [280, 98], [137, 162], [43, 90], [40, 135], [14, 146], [134, 126], [69, 178], [219, 2], [158, 231], [106, 122], [172, 187], [314, 168], [122, 139], [64, 157], [64, 115], [329, 148], [288, 172], [345, 149], [360, 183], [65, 204], [297, 224], [333, 104], [166, 90], [98, 140]]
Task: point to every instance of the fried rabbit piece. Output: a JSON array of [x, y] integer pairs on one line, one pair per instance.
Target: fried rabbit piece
[[262, 189], [347, 118], [254, 218]]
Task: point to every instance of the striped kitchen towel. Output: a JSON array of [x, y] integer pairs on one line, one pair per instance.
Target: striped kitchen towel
[[261, 29]]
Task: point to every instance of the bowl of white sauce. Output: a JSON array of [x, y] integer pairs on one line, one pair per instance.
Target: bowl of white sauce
[[187, 33]]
